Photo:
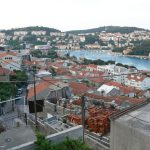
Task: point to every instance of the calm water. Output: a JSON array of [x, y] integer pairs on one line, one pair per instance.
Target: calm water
[[140, 64]]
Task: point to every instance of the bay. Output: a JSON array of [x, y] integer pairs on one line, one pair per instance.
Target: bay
[[140, 64]]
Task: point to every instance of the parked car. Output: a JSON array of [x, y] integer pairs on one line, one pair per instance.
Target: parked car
[[20, 91]]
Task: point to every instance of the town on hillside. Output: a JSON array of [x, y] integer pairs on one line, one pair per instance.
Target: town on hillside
[[124, 40], [53, 92]]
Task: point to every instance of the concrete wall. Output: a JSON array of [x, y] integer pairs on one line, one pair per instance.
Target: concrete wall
[[50, 108], [95, 145], [123, 137], [45, 128], [74, 133]]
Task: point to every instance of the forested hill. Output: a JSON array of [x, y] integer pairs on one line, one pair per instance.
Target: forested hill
[[30, 29], [111, 29]]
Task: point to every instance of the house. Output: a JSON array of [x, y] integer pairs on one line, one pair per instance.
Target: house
[[11, 60], [82, 38], [125, 90], [5, 74], [38, 33], [97, 81], [20, 33], [8, 56], [118, 72], [57, 33], [43, 73], [138, 81], [93, 46], [2, 35], [49, 89], [107, 90], [120, 101], [42, 47], [11, 65], [91, 67], [78, 88]]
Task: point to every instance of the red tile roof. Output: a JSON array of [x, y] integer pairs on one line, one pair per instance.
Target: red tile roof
[[7, 53], [118, 99], [78, 88], [98, 80], [4, 71], [123, 88], [92, 66], [41, 86]]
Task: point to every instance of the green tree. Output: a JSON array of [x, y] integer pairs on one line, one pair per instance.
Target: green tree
[[68, 144], [19, 76], [7, 90], [42, 143]]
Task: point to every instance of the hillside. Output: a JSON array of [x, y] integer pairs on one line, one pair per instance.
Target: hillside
[[30, 29], [111, 29]]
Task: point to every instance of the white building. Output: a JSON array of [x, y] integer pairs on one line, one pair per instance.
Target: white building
[[42, 47], [2, 35], [20, 33], [11, 65], [93, 46], [137, 81], [82, 38], [9, 60], [117, 73], [38, 33], [107, 90], [43, 73], [57, 33]]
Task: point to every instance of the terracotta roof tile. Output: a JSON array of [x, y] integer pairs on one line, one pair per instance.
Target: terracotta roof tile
[[78, 88]]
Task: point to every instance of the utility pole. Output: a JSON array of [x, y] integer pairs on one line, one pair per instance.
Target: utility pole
[[83, 115], [35, 112]]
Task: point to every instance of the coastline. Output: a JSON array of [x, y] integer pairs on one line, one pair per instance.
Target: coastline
[[108, 52]]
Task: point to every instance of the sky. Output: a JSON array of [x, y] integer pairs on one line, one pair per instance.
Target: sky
[[74, 14]]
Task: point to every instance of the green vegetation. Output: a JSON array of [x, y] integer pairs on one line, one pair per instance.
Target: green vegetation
[[38, 53], [30, 29], [68, 144], [91, 39], [7, 90], [15, 44], [142, 48], [111, 29], [97, 62], [19, 76], [119, 49], [126, 66], [101, 62], [32, 39]]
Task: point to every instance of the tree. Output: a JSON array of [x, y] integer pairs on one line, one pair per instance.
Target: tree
[[7, 90], [42, 143], [91, 39], [19, 76], [68, 144]]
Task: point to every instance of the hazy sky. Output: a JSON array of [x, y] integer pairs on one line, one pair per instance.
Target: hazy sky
[[74, 14]]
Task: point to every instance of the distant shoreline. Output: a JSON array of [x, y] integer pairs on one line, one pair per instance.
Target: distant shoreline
[[109, 52]]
